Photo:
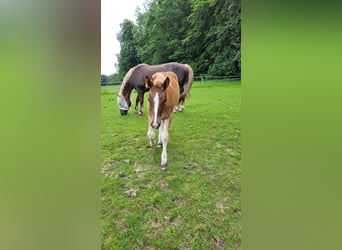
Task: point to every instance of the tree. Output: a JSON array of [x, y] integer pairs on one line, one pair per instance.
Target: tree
[[128, 55], [227, 33], [160, 31], [203, 33], [213, 38]]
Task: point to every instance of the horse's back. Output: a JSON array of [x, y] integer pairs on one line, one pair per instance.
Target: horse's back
[[180, 70], [135, 77], [142, 70]]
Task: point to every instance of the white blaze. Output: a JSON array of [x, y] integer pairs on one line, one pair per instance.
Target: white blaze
[[156, 104]]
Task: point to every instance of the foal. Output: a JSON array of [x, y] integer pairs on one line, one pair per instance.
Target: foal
[[162, 99]]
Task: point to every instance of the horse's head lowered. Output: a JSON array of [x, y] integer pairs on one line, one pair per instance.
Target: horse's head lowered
[[123, 103], [156, 97]]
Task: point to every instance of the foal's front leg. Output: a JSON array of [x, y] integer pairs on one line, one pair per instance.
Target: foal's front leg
[[165, 139], [150, 132], [160, 140]]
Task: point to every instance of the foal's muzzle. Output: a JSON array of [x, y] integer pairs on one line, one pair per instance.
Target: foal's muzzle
[[155, 125]]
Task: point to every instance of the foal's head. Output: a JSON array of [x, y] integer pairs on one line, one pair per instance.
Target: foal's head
[[156, 97]]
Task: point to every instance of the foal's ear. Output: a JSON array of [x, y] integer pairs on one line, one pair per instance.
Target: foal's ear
[[166, 82], [148, 83]]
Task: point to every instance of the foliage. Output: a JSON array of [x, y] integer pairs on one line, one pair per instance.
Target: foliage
[[203, 33], [195, 203], [160, 31], [128, 56]]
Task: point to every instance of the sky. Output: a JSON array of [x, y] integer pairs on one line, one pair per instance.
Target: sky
[[113, 12]]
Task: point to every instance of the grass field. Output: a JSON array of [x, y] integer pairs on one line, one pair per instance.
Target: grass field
[[195, 203]]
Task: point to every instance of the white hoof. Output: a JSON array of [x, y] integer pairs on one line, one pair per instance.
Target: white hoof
[[163, 166]]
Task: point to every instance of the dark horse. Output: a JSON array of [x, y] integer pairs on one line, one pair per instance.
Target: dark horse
[[134, 79]]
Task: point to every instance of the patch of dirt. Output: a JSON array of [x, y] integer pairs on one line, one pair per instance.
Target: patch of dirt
[[107, 168], [213, 177], [179, 202], [237, 214], [137, 167], [164, 184], [175, 222], [188, 167], [233, 153], [120, 175], [157, 225], [219, 242], [147, 185], [220, 206], [139, 170], [123, 227], [132, 192], [229, 150]]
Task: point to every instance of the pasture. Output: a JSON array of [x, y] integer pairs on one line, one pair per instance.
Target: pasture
[[194, 203]]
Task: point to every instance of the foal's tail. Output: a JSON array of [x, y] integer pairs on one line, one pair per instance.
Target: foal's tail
[[188, 84]]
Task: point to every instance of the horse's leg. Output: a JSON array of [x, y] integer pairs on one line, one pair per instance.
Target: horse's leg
[[176, 109], [165, 139], [141, 100], [182, 106], [136, 105]]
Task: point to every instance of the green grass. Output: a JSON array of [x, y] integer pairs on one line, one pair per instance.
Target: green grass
[[195, 203]]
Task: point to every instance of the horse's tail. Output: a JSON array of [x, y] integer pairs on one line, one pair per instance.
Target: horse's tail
[[188, 84]]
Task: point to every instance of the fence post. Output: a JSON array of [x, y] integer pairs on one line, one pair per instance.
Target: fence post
[[202, 79]]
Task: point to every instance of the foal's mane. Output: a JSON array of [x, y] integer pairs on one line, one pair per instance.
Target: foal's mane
[[159, 79]]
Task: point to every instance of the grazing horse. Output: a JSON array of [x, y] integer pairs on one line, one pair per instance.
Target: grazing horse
[[134, 79], [162, 99]]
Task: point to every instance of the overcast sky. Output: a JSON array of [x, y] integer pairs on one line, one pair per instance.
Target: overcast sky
[[113, 12]]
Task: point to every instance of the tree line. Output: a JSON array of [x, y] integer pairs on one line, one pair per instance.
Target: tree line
[[205, 34]]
